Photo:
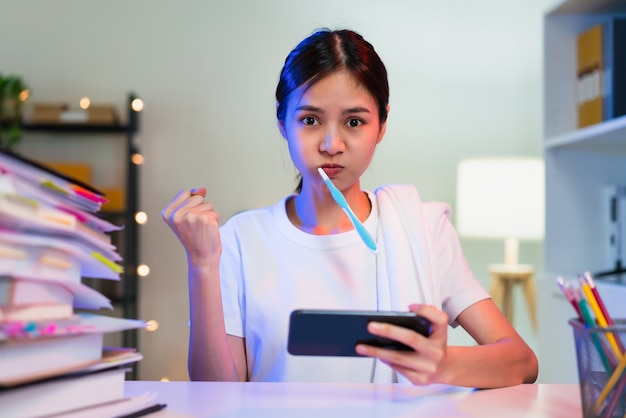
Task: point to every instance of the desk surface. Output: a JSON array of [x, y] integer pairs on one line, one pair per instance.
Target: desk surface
[[317, 400]]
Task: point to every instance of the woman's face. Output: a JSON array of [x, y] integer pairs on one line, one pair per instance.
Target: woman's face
[[333, 124]]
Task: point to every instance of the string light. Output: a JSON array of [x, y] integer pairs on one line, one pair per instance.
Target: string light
[[141, 218], [143, 270], [84, 103], [137, 159], [137, 105]]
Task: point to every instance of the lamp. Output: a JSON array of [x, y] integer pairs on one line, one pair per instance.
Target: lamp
[[501, 198]]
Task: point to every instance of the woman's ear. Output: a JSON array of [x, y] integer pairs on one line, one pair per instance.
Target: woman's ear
[[281, 128], [281, 124], [383, 128]]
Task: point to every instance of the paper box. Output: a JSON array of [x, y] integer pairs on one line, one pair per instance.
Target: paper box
[[63, 113], [116, 199]]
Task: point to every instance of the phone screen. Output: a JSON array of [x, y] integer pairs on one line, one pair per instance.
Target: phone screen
[[337, 332]]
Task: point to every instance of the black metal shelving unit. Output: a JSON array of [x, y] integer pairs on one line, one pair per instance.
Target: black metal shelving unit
[[123, 294]]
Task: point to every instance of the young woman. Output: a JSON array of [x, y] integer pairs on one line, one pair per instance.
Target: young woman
[[246, 277]]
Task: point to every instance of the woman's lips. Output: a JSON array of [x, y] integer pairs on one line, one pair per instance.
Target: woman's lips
[[332, 171]]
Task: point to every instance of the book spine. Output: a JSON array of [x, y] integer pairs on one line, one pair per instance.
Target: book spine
[[589, 76]]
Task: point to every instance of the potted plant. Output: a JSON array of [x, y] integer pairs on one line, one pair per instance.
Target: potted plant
[[13, 93]]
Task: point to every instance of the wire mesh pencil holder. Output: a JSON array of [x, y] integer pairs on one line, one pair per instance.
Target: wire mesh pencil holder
[[601, 369]]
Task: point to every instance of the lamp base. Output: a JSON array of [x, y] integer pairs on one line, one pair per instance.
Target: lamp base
[[511, 251], [504, 278]]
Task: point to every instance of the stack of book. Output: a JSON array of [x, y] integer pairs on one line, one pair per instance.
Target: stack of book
[[53, 360]]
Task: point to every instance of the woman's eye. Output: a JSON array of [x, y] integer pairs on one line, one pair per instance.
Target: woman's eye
[[353, 123], [309, 120]]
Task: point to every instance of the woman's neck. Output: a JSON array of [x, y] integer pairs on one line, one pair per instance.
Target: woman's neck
[[319, 214]]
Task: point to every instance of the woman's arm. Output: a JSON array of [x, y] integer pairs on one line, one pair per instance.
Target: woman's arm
[[501, 357], [213, 355]]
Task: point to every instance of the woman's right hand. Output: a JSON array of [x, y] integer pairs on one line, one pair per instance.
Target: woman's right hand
[[195, 224]]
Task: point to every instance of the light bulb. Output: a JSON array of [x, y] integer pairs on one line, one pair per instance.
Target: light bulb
[[84, 103], [137, 105], [143, 270], [141, 218]]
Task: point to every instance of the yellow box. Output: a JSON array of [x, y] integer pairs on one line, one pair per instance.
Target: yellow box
[[78, 171], [116, 199], [590, 67]]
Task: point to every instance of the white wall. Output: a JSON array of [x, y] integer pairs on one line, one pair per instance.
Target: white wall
[[465, 80]]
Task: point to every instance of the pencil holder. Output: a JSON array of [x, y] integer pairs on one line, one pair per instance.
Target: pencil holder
[[601, 363]]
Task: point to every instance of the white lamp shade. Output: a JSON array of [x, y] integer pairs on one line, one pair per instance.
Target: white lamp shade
[[501, 198]]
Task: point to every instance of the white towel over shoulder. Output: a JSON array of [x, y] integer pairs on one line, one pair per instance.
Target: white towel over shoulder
[[407, 266]]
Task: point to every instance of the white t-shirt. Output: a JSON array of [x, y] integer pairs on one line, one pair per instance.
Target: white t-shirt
[[270, 268]]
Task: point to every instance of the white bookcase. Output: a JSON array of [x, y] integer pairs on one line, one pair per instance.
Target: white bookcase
[[580, 164]]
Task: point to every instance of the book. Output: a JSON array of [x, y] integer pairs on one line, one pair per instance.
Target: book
[[17, 247], [614, 63], [22, 291], [36, 312], [134, 406], [17, 292], [52, 183], [615, 231], [110, 357], [19, 358], [31, 349], [589, 76], [65, 393]]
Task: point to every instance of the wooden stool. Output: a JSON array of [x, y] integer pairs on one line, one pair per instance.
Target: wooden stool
[[504, 277]]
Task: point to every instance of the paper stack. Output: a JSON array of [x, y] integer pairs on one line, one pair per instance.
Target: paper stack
[[52, 357]]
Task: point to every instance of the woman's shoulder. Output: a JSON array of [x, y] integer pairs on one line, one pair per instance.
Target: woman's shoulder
[[252, 218], [407, 197]]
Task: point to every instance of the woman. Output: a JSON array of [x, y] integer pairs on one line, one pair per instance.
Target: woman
[[303, 252]]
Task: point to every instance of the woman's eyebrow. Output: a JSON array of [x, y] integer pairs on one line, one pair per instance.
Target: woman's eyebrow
[[357, 109], [309, 108]]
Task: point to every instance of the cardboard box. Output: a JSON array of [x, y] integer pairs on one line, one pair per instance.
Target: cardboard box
[[78, 171], [63, 113], [47, 113], [116, 199], [101, 114]]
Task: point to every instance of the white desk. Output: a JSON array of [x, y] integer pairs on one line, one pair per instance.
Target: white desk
[[316, 400]]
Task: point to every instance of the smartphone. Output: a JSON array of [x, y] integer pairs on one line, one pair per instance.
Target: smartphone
[[337, 332]]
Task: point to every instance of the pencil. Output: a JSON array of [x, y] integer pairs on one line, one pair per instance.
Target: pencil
[[593, 303], [610, 385], [592, 284], [568, 295], [590, 323]]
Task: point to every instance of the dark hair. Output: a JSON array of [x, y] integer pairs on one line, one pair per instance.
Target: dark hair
[[325, 52]]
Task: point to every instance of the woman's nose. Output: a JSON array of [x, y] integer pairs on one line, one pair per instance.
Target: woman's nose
[[332, 143]]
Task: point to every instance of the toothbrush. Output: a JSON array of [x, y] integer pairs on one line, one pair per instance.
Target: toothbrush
[[343, 203]]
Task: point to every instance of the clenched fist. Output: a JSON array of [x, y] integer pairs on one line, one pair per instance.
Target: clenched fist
[[196, 225]]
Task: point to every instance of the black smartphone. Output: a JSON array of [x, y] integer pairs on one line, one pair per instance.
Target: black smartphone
[[337, 332]]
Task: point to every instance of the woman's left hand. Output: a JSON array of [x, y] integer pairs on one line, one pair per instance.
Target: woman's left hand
[[424, 365]]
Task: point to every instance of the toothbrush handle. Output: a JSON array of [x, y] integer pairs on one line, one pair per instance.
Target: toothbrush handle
[[363, 232]]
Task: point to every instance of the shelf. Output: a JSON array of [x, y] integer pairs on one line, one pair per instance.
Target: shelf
[[124, 293], [586, 6], [606, 137], [580, 165], [72, 127]]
